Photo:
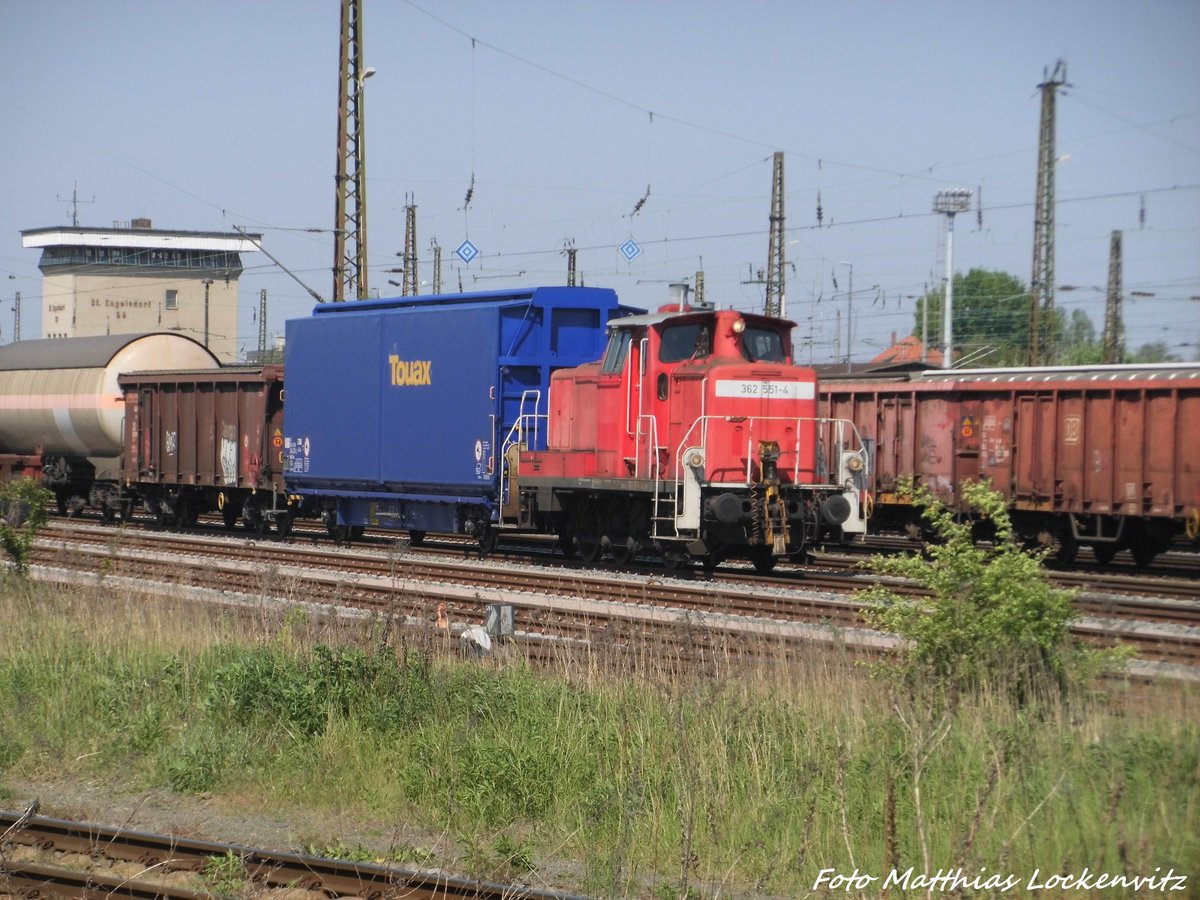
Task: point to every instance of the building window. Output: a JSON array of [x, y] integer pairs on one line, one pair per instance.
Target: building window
[[172, 301]]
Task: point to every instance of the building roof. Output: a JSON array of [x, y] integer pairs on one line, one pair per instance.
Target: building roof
[[67, 236], [908, 350]]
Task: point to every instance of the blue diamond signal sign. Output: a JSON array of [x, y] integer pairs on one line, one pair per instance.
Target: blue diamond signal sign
[[630, 250], [467, 251]]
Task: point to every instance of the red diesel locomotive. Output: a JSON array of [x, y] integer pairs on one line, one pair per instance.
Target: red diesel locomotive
[[694, 437]]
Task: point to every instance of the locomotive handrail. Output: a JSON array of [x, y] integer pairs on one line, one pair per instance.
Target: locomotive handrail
[[702, 422], [525, 422]]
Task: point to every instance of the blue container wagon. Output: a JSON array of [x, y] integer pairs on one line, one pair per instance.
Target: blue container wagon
[[403, 413]]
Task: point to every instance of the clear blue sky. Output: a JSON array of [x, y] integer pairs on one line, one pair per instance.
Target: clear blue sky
[[207, 115]]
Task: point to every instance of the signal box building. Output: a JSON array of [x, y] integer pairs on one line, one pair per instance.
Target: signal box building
[[139, 279]]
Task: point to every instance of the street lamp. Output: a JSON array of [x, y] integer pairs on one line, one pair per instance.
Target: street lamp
[[950, 202], [849, 314], [207, 283]]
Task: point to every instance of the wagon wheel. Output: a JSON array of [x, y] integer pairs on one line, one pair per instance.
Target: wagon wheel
[[283, 522], [1104, 553], [416, 538], [229, 516], [339, 533], [1068, 548]]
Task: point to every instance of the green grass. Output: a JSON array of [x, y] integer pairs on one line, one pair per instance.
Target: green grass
[[645, 783]]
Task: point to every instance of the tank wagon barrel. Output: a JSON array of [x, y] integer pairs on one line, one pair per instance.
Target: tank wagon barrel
[[61, 408]]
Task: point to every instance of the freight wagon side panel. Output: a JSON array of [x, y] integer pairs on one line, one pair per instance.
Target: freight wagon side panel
[[202, 429], [335, 370], [439, 400]]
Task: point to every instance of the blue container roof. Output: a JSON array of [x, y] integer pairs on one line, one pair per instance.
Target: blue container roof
[[559, 295]]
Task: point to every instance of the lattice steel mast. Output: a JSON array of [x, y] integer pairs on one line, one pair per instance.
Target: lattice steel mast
[[350, 216], [776, 303], [1041, 283]]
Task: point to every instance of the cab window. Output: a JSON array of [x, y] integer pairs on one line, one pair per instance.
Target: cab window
[[687, 341], [616, 351], [763, 345]]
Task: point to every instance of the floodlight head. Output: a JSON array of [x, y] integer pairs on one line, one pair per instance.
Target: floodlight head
[[952, 201]]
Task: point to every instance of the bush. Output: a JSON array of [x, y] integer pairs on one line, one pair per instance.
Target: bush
[[23, 506], [993, 618]]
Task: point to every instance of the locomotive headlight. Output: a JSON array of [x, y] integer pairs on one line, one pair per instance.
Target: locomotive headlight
[[739, 325]]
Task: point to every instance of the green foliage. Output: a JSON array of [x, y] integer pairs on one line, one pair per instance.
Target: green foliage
[[635, 784], [23, 504], [991, 317], [993, 617], [226, 875]]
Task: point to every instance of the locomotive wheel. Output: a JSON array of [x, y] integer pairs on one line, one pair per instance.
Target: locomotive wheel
[[763, 559], [589, 551]]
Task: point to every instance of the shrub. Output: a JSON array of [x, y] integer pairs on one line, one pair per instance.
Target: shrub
[[993, 617], [23, 506]]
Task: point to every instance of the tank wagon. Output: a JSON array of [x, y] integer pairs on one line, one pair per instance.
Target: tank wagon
[[204, 440], [1101, 457], [398, 410], [694, 437], [61, 409]]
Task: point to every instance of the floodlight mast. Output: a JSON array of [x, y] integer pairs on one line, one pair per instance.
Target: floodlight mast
[[951, 203]]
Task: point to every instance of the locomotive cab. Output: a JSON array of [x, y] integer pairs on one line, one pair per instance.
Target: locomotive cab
[[694, 436]]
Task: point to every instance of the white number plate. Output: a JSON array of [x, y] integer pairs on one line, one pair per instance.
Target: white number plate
[[770, 390]]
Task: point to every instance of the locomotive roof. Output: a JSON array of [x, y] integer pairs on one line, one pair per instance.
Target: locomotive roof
[[647, 319], [92, 352]]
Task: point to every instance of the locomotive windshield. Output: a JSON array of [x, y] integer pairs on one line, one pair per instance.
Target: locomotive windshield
[[616, 351], [691, 340], [763, 345]]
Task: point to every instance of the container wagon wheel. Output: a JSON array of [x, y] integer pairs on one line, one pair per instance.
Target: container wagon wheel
[[487, 540], [416, 538], [283, 522], [339, 533]]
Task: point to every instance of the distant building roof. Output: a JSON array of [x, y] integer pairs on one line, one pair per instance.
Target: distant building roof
[[906, 351], [140, 237]]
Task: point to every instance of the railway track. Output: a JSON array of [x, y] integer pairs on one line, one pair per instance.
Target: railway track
[[170, 866], [722, 617]]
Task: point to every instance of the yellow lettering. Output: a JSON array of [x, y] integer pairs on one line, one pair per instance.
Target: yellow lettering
[[408, 373]]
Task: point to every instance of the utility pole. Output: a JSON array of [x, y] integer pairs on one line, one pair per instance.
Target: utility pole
[[412, 283], [437, 266], [776, 304], [262, 323], [350, 213], [1041, 284], [1113, 343], [207, 284]]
